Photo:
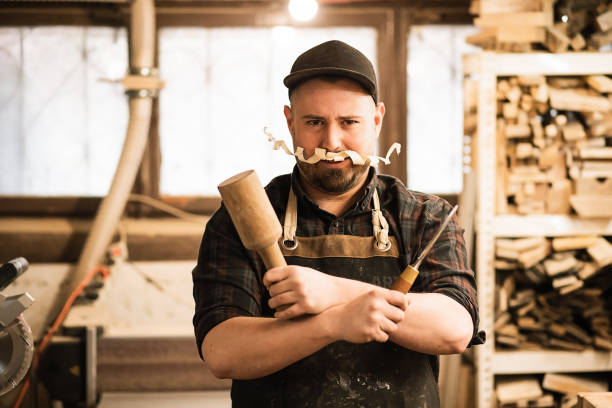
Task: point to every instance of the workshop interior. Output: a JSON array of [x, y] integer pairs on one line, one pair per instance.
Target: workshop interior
[[125, 124]]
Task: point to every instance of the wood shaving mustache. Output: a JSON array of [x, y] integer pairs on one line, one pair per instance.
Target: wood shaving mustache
[[323, 154]]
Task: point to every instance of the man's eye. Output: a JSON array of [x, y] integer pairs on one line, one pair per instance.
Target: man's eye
[[315, 122], [350, 122]]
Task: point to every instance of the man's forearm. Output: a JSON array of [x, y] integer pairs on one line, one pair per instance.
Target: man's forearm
[[252, 347], [433, 323]]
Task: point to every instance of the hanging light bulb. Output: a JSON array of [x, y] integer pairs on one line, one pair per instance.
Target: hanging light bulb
[[303, 10]]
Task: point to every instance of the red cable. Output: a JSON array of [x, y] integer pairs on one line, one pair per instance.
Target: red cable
[[58, 321]]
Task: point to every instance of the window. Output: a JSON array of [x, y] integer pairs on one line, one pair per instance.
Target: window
[[435, 107], [223, 86], [62, 128]]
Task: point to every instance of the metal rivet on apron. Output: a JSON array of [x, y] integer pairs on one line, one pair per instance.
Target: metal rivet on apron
[[291, 247]]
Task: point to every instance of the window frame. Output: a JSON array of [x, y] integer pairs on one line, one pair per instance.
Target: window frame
[[391, 20]]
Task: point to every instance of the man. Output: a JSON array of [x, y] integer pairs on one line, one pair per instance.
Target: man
[[325, 330]]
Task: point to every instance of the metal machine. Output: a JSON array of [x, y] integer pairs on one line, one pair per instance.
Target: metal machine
[[16, 342]]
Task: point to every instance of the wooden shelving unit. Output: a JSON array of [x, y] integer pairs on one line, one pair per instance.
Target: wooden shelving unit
[[486, 67]]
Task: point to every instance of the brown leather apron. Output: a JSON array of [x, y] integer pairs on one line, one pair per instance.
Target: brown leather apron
[[344, 374]]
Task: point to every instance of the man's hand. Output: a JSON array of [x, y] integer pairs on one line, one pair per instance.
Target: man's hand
[[296, 290], [372, 316]]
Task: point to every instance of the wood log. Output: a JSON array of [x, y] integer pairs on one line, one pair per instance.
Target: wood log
[[568, 99], [509, 110], [600, 83], [517, 131], [573, 131]]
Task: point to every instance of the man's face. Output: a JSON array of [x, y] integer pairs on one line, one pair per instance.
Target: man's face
[[335, 116]]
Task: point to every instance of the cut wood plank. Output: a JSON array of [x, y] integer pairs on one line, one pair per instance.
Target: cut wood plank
[[593, 186], [559, 194], [540, 93], [517, 131], [570, 243], [577, 42], [556, 41], [595, 152], [521, 244], [549, 155], [520, 34], [604, 344], [539, 19], [571, 288], [508, 6], [592, 206], [600, 83], [512, 389], [595, 400], [564, 281], [573, 384], [601, 252], [604, 20], [565, 345], [588, 270], [531, 257], [568, 99], [573, 131], [555, 267], [531, 80]]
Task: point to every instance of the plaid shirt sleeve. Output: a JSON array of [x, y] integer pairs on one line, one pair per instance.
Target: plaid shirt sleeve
[[445, 269], [226, 280]]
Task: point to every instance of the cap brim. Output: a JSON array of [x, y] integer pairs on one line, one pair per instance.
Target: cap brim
[[293, 80]]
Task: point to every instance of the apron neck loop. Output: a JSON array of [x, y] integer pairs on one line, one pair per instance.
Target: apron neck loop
[[380, 225]]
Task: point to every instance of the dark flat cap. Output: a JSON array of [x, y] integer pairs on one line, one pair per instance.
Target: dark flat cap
[[334, 58]]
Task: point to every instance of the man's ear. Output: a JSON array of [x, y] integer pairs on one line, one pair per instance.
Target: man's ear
[[289, 118], [378, 117]]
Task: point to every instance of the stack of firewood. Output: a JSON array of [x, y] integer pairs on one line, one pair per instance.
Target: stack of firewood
[[557, 26], [553, 390], [555, 145], [554, 293]]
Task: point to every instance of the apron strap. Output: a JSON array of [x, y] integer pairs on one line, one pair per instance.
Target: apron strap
[[380, 225], [290, 224]]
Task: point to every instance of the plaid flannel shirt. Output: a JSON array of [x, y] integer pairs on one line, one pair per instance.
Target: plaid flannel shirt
[[228, 279]]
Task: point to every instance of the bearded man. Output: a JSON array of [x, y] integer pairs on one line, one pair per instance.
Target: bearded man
[[326, 331]]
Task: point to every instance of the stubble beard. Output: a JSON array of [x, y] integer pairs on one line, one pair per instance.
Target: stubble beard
[[333, 181]]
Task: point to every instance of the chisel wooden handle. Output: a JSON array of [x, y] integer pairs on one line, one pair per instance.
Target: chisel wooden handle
[[253, 216], [405, 280]]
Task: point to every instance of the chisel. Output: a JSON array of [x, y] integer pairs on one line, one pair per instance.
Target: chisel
[[407, 278]]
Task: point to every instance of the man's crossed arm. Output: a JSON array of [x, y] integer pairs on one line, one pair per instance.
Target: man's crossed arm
[[315, 309]]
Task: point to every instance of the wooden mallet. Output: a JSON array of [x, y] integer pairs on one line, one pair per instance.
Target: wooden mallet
[[253, 216]]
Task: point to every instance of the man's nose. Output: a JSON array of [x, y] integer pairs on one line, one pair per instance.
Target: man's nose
[[332, 138]]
